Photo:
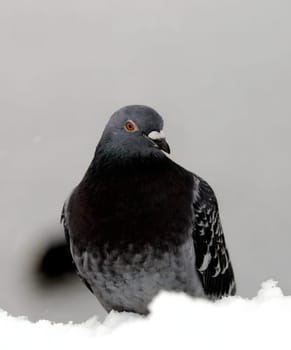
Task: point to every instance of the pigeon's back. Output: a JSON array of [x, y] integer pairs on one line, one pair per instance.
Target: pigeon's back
[[130, 231]]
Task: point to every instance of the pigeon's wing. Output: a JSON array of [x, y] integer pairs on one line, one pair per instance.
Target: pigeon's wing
[[212, 258], [67, 236], [66, 230]]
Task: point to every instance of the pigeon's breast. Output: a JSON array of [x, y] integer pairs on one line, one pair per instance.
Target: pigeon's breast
[[146, 205], [131, 234], [128, 280]]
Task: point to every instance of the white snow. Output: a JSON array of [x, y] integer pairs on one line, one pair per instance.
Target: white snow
[[176, 322]]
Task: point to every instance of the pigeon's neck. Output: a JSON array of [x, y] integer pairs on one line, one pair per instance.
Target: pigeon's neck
[[110, 159]]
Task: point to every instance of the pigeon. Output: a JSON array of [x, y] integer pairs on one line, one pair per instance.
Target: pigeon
[[138, 223]]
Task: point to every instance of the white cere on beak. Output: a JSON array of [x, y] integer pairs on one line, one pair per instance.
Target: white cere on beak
[[156, 135]]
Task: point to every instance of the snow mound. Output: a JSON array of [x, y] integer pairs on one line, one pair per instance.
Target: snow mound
[[176, 322]]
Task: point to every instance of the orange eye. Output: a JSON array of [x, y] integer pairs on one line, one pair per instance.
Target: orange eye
[[130, 126]]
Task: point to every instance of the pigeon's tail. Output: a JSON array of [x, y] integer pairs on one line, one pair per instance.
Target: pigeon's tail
[[56, 262]]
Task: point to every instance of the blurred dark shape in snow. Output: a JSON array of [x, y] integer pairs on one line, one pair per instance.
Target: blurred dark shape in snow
[[55, 263]]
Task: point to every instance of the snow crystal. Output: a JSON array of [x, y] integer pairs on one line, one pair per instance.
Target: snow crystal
[[176, 322]]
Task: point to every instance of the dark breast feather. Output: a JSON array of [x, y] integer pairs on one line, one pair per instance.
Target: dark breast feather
[[132, 204], [113, 209]]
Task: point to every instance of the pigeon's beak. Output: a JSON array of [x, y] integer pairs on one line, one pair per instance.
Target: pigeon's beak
[[159, 139]]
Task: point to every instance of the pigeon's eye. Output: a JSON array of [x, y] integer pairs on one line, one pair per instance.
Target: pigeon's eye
[[130, 126]]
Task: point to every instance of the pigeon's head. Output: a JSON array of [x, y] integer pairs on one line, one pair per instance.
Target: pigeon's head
[[134, 130]]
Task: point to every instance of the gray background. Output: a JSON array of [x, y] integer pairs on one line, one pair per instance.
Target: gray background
[[219, 73]]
